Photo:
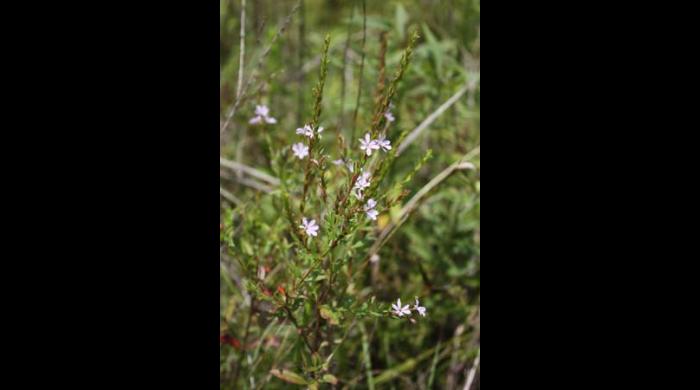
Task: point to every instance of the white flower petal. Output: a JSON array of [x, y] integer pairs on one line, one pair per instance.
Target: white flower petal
[[310, 227], [300, 150], [371, 203], [372, 214]]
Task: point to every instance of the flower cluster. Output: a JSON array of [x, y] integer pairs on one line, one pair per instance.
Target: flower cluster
[[262, 114], [369, 145], [299, 149], [399, 310], [362, 182]]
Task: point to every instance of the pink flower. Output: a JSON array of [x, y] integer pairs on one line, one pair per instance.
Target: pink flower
[[300, 150], [309, 226], [262, 113], [368, 145]]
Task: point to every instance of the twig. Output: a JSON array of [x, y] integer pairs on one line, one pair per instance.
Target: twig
[[315, 117], [302, 46], [362, 69], [279, 32], [432, 117], [239, 86], [246, 181], [241, 58], [254, 184], [256, 173], [366, 357], [472, 371], [229, 196], [344, 79]]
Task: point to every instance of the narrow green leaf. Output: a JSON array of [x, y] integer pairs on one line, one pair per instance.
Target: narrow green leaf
[[289, 376], [329, 315], [401, 19], [329, 378]]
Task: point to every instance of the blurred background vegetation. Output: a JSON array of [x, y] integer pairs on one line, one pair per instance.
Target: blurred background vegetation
[[435, 255]]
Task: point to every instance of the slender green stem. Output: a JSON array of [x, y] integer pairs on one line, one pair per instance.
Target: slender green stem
[[362, 70]]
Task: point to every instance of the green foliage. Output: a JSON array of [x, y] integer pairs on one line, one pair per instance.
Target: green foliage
[[315, 312]]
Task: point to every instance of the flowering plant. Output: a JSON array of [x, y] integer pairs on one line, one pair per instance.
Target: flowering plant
[[303, 256]]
